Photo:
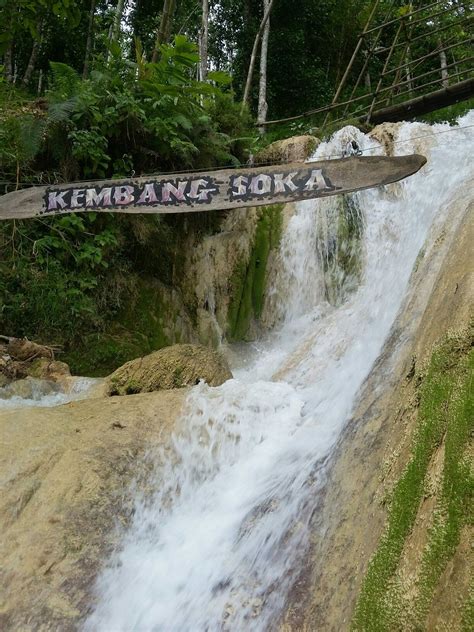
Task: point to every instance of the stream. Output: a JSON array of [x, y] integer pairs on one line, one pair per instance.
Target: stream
[[218, 543]]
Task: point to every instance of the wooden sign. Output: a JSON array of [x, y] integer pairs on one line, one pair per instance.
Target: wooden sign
[[216, 190]]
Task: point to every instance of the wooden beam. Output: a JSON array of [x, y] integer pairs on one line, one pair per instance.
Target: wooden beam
[[218, 190], [426, 103]]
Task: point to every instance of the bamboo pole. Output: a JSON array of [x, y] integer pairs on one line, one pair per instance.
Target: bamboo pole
[[395, 20], [364, 67], [432, 54], [432, 83], [385, 66], [429, 33], [352, 59], [429, 72]]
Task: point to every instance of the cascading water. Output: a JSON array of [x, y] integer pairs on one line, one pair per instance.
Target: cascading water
[[218, 544]]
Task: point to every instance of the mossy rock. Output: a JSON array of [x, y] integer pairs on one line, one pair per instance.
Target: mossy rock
[[294, 149], [248, 282], [172, 367]]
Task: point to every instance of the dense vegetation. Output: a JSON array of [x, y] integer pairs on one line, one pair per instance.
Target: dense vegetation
[[99, 88]]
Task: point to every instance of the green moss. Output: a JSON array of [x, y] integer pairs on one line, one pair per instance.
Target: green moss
[[139, 328], [446, 410], [248, 281], [467, 616]]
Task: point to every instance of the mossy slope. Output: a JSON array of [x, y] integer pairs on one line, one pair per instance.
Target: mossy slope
[[445, 419]]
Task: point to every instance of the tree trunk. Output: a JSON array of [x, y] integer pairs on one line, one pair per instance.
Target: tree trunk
[[444, 71], [204, 40], [90, 40], [8, 63], [40, 82], [262, 89], [115, 28], [34, 54], [253, 56], [164, 31]]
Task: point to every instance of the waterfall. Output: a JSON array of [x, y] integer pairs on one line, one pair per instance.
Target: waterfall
[[217, 544]]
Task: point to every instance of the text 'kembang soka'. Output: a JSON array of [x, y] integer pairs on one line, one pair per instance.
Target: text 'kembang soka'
[[219, 190], [187, 190]]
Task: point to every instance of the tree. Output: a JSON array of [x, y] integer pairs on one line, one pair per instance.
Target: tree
[[204, 40], [164, 31], [90, 40], [253, 55], [262, 92]]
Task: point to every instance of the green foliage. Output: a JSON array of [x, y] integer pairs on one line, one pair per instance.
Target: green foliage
[[52, 274], [446, 410], [59, 275], [155, 114]]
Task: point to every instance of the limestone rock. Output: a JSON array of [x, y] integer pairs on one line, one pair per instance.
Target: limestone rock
[[172, 367], [294, 149], [64, 487], [45, 369], [29, 388]]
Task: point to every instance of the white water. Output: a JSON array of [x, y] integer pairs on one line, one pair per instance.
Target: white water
[[218, 544], [41, 393]]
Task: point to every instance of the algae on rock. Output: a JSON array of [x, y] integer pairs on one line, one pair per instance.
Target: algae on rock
[[341, 249], [249, 279]]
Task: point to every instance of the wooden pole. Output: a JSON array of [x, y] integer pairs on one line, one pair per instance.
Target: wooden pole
[[425, 103], [429, 6]]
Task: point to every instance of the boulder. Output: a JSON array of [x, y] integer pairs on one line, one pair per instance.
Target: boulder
[[294, 149], [45, 369], [171, 367]]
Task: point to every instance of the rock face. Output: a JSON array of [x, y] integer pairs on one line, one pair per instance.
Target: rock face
[[294, 149], [172, 367], [65, 475], [375, 450]]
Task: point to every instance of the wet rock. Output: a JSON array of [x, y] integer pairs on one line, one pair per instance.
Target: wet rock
[[29, 388], [294, 149], [172, 367], [65, 474], [46, 369]]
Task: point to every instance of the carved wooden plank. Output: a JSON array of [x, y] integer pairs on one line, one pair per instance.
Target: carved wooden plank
[[216, 190]]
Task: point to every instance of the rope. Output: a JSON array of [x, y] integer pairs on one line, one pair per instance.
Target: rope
[[267, 164]]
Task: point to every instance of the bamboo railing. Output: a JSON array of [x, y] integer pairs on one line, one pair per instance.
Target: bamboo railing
[[402, 79]]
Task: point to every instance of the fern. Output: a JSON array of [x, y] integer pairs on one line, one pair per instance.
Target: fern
[[60, 111], [65, 82]]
